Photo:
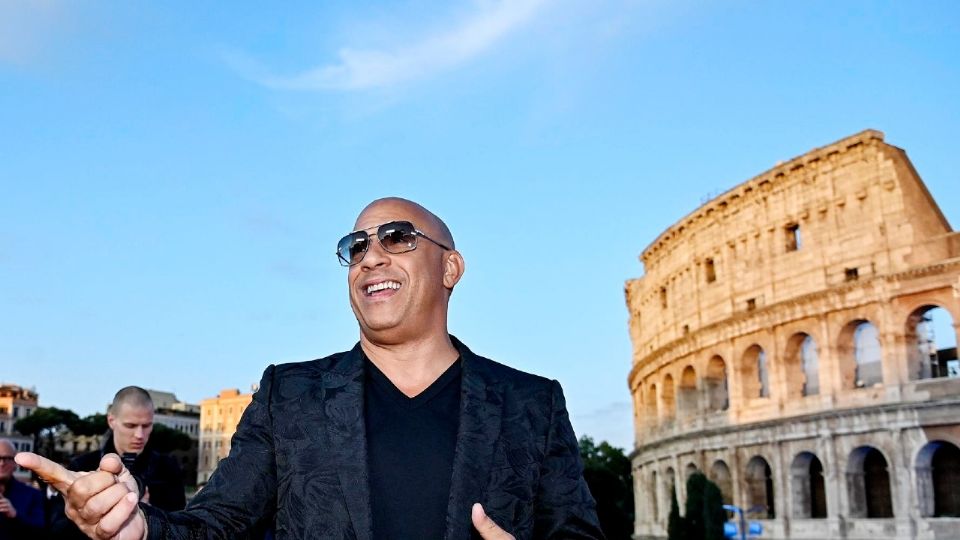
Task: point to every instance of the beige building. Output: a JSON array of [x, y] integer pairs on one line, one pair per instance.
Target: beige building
[[16, 402], [783, 344], [219, 417]]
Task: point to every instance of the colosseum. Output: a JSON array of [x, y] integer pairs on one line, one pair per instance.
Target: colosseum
[[794, 339]]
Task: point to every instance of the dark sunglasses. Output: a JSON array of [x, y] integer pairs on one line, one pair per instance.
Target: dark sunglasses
[[4, 459], [395, 237]]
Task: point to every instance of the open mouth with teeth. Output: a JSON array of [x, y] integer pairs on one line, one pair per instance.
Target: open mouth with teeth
[[382, 288]]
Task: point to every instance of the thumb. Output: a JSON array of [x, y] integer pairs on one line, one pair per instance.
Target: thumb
[[487, 528], [112, 463]]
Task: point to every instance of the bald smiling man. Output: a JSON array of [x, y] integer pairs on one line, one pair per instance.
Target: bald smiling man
[[409, 435]]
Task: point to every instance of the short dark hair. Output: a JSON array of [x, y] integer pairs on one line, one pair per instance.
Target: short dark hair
[[133, 396]]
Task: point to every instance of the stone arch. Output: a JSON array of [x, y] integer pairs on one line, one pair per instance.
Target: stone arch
[[802, 365], [868, 484], [861, 354], [807, 487], [668, 398], [720, 475], [670, 486], [689, 470], [688, 402], [931, 343], [756, 373], [759, 494], [654, 490], [718, 393], [653, 412], [938, 477]]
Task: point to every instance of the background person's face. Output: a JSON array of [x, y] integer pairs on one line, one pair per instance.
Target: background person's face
[[131, 427], [7, 466]]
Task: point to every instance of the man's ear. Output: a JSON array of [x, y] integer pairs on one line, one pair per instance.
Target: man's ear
[[111, 420], [453, 268]]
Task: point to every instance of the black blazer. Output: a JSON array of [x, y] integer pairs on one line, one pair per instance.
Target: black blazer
[[299, 458]]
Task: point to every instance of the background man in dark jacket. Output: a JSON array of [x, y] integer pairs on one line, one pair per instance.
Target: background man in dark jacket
[[131, 421], [21, 506]]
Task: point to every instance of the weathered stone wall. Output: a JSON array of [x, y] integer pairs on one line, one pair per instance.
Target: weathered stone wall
[[803, 261]]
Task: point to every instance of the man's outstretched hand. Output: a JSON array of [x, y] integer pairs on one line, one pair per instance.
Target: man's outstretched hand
[[486, 527], [102, 503]]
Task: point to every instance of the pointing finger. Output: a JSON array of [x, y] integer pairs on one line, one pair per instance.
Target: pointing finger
[[52, 473]]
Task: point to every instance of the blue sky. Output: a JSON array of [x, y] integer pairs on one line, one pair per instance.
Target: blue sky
[[174, 175]]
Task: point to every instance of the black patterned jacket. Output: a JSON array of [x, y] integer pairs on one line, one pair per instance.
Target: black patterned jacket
[[299, 458]]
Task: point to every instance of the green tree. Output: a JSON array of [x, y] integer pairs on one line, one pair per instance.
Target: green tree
[[703, 512], [606, 470], [44, 424], [166, 440], [95, 424]]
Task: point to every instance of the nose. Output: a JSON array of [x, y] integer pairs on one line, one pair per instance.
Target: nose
[[375, 257], [138, 433]]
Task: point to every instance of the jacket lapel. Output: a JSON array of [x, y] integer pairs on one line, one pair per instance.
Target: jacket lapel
[[346, 430], [481, 409]]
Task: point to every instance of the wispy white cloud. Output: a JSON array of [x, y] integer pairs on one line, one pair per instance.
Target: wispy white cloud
[[362, 69]]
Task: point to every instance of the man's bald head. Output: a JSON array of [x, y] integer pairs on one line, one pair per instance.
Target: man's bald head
[[7, 447], [425, 219]]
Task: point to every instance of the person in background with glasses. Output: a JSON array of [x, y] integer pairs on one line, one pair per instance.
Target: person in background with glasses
[[21, 506], [409, 435]]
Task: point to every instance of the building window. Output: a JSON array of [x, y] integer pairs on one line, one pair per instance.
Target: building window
[[16, 411], [663, 297], [850, 274], [793, 239], [710, 271], [751, 304]]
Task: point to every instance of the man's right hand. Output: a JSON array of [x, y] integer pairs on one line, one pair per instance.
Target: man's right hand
[[102, 503]]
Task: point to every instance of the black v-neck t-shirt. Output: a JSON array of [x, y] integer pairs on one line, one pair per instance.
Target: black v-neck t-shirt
[[410, 447]]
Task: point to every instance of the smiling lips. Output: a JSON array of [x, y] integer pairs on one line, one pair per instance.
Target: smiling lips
[[383, 288]]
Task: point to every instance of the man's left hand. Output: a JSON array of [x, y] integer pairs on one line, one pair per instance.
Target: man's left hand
[[487, 528], [6, 508]]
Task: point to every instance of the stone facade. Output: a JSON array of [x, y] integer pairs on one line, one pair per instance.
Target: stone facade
[[781, 345], [219, 417]]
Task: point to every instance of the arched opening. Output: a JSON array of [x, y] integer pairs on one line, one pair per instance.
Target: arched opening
[[720, 475], [807, 487], [803, 366], [810, 361], [868, 355], [868, 484], [931, 344], [759, 479], [670, 485], [653, 414], [689, 469], [654, 489], [756, 376], [687, 399], [938, 476], [718, 396], [668, 399]]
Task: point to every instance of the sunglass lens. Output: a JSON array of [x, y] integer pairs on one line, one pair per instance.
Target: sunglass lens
[[397, 236], [351, 248]]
